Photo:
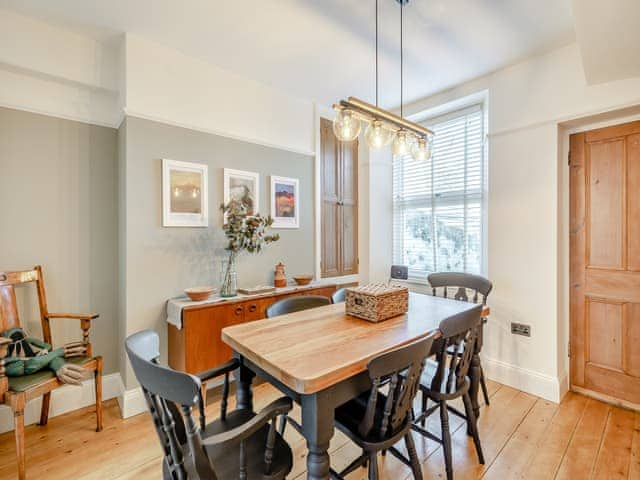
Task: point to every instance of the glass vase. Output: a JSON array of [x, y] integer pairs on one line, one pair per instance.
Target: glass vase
[[229, 286]]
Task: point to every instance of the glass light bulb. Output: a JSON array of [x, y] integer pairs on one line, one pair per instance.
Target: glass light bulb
[[346, 126], [421, 150], [377, 135], [402, 143]]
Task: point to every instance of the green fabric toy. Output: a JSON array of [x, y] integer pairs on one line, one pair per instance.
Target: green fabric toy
[[27, 355]]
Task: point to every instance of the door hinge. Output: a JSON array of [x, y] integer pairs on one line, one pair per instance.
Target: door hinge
[[569, 158], [568, 349]]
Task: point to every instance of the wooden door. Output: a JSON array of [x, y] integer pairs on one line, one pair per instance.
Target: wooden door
[[348, 208], [330, 188], [339, 212], [605, 262]]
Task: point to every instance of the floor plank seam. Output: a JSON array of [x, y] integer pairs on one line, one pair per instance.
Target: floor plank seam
[[566, 448], [541, 440], [602, 437], [522, 419]]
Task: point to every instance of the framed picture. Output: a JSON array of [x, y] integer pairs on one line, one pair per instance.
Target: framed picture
[[285, 202], [184, 194], [244, 187]]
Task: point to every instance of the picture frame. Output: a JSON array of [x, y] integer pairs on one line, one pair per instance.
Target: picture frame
[[242, 185], [285, 202], [185, 194]]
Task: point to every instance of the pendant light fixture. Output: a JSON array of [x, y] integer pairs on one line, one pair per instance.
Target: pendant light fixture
[[377, 134], [402, 142], [409, 138]]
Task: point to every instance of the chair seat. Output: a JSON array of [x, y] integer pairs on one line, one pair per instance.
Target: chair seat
[[441, 393], [226, 459], [25, 382]]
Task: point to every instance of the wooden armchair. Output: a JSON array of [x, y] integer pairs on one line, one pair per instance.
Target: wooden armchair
[[17, 391]]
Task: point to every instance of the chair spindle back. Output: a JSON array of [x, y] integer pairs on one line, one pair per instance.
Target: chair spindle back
[[401, 369], [455, 349], [460, 283]]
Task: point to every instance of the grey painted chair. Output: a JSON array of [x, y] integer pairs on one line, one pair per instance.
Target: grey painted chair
[[456, 285], [296, 304], [238, 445], [339, 295], [449, 380], [376, 421], [399, 272]]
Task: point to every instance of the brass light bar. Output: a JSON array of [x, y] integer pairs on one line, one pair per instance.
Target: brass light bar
[[362, 106]]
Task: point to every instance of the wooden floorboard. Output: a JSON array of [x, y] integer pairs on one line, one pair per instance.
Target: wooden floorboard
[[523, 437]]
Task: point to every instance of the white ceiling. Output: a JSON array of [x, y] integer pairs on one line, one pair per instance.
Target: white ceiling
[[324, 49]]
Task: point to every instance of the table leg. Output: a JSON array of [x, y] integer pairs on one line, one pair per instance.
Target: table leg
[[244, 395], [317, 427]]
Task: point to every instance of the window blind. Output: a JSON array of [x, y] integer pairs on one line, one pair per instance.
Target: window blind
[[438, 205]]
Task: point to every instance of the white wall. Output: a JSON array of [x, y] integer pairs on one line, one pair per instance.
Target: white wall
[[527, 188], [50, 70], [164, 85]]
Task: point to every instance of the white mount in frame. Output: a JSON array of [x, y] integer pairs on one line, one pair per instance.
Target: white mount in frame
[[285, 202], [185, 194]]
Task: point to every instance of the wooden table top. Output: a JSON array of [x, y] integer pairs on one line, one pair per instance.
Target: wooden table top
[[313, 349]]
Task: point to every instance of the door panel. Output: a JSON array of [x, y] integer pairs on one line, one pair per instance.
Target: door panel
[[605, 205], [632, 332], [604, 323], [330, 245], [605, 261], [633, 202], [349, 240]]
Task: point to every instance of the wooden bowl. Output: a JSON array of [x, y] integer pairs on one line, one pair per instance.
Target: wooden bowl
[[197, 294], [303, 279]]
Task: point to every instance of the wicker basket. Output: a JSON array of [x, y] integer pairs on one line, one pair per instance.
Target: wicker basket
[[377, 302]]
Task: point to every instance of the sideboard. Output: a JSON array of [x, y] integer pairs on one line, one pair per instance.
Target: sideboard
[[198, 346]]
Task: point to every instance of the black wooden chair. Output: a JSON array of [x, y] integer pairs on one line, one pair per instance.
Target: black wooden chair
[[339, 295], [376, 421], [296, 304], [239, 445], [450, 380], [456, 285]]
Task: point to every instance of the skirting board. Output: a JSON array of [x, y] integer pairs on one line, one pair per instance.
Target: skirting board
[[529, 381], [132, 402], [65, 399]]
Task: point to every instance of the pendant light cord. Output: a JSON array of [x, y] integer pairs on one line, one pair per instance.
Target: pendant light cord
[[401, 62], [376, 53]]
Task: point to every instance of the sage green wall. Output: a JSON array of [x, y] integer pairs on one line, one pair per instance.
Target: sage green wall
[[59, 208], [161, 262]]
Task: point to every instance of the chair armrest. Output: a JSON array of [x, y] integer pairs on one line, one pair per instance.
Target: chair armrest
[[277, 407], [85, 325], [74, 316], [4, 381], [227, 367]]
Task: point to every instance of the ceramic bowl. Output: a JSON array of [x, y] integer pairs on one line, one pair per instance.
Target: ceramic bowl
[[197, 294], [303, 279]]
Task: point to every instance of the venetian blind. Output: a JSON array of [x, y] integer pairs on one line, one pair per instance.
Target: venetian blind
[[438, 205]]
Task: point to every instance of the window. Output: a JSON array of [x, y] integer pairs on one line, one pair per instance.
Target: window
[[438, 206]]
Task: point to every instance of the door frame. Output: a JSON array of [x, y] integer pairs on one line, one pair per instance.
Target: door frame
[[321, 111], [565, 130]]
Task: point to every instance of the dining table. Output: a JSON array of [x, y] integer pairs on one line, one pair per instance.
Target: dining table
[[319, 358]]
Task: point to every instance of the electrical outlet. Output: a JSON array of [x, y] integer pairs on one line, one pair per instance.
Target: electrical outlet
[[521, 329]]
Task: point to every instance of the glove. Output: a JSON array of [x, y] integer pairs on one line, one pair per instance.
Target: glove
[[71, 373]]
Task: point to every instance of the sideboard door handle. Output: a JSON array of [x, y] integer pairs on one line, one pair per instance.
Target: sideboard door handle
[[253, 308], [238, 310]]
